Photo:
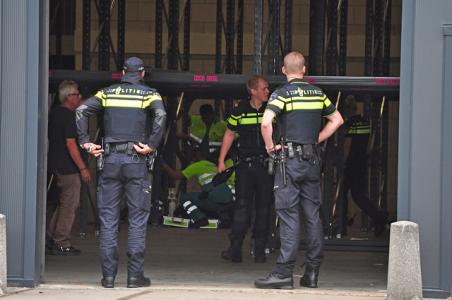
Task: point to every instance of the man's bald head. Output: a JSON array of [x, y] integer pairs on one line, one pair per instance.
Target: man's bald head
[[294, 64]]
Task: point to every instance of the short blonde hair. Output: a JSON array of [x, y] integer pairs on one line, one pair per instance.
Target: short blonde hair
[[65, 88], [294, 62], [253, 82]]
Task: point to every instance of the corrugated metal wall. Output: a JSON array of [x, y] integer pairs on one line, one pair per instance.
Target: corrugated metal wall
[[22, 119], [424, 194]]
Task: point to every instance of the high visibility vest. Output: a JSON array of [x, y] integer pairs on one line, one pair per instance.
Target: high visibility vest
[[198, 130], [126, 111]]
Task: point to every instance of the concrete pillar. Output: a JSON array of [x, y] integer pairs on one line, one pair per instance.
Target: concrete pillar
[[2, 255], [404, 270]]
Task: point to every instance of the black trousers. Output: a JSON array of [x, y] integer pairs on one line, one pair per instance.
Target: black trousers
[[355, 181], [252, 183], [123, 175], [300, 197]]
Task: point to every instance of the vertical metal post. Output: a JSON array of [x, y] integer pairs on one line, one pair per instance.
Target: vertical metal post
[[387, 39], [316, 36], [368, 45], [158, 33], [186, 58], [173, 34], [173, 61], [104, 37], [121, 34], [230, 12], [239, 57], [218, 37], [331, 52], [273, 49], [58, 61], [86, 33], [288, 27], [258, 32], [343, 38], [378, 38]]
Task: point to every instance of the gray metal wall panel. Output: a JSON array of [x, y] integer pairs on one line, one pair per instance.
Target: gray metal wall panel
[[446, 172], [406, 83], [421, 120], [12, 139], [42, 134], [23, 118], [1, 44]]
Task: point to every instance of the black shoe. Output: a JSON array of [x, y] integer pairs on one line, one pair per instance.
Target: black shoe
[[379, 228], [199, 223], [380, 223], [138, 281], [64, 251], [50, 244], [274, 281], [108, 282], [310, 277], [260, 259], [234, 256]]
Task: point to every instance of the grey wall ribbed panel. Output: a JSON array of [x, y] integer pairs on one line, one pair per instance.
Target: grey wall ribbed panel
[[1, 44], [23, 119], [423, 118], [446, 207], [12, 139], [43, 70]]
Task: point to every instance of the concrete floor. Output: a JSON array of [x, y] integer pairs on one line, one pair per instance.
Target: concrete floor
[[186, 264], [185, 257]]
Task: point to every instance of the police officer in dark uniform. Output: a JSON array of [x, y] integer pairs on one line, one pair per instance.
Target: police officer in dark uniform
[[252, 179], [357, 133], [134, 119], [299, 108]]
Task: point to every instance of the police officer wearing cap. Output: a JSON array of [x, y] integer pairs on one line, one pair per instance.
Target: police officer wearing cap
[[253, 183], [299, 108], [133, 119]]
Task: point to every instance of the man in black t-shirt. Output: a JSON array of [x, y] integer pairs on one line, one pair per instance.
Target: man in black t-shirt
[[65, 162]]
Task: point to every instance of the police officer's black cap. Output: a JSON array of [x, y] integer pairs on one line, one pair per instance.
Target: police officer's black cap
[[134, 64]]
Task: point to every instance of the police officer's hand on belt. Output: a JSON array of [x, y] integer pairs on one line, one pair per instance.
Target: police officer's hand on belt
[[93, 149], [143, 149], [271, 149]]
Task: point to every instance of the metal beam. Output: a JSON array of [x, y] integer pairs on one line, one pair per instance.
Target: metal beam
[[316, 37], [86, 35], [211, 85], [258, 33], [120, 51]]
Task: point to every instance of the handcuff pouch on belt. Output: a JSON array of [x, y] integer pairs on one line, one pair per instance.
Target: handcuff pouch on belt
[[150, 160], [305, 152], [260, 159]]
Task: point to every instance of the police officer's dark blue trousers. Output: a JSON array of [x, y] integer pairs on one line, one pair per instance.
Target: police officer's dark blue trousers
[[355, 181], [300, 194], [123, 175], [252, 182]]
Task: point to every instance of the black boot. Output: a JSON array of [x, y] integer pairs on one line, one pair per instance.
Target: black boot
[[138, 281], [259, 251], [310, 277], [233, 253], [108, 282], [274, 281]]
